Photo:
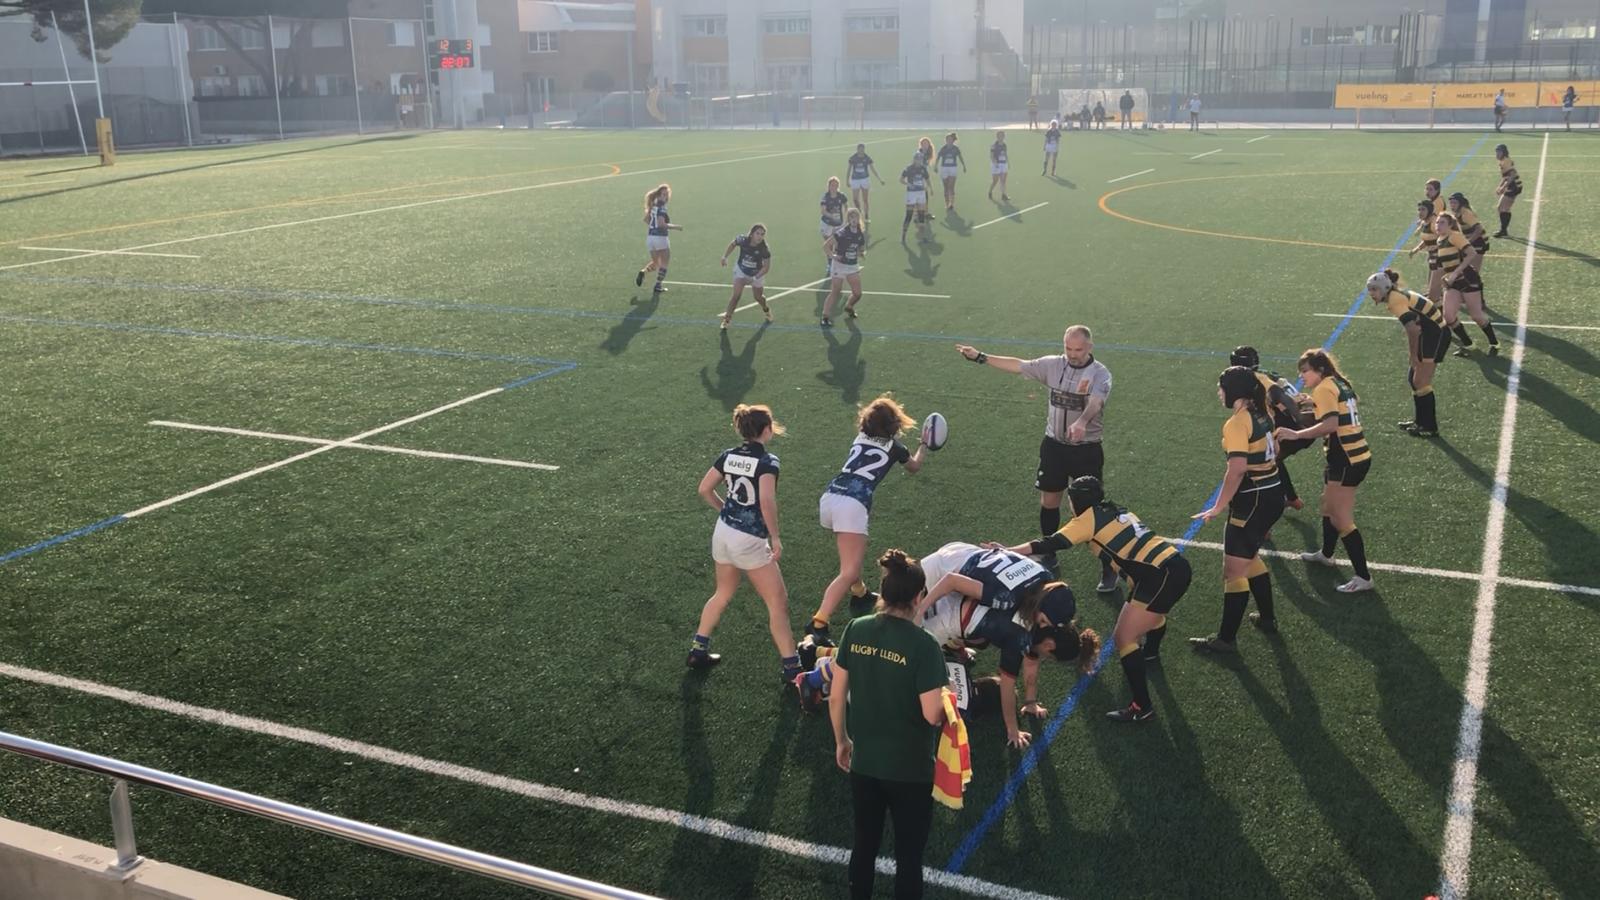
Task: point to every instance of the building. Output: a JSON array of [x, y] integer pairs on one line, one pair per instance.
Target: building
[[831, 45]]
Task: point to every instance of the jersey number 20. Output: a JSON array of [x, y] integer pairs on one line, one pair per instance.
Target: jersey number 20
[[741, 489]]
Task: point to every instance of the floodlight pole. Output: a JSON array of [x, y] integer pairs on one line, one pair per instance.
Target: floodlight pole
[[66, 75], [88, 27], [355, 76], [277, 100], [178, 57], [633, 37]]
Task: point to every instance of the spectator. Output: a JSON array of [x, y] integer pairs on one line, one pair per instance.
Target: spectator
[[886, 709], [1125, 105], [1568, 100], [1500, 109], [1100, 115], [1033, 113], [1194, 112]]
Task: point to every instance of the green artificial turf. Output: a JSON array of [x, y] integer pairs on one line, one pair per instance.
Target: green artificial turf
[[532, 624]]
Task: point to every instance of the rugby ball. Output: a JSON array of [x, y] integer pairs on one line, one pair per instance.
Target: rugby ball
[[935, 431]]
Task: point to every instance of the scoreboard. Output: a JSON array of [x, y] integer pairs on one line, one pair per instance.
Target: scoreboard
[[450, 53]]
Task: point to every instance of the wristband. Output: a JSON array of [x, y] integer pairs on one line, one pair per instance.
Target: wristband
[[981, 358]]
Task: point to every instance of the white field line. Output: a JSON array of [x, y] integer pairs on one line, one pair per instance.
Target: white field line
[[728, 286], [1205, 154], [28, 184], [1254, 139], [382, 448], [1422, 570], [1529, 325], [786, 292], [1456, 858], [1011, 215], [436, 200], [353, 439], [1133, 175], [111, 252], [478, 778]]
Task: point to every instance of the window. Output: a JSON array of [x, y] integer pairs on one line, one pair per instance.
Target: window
[[402, 34], [1552, 31], [872, 23], [874, 74], [333, 85], [215, 86], [327, 34], [794, 25], [280, 36], [708, 77], [789, 76], [252, 86], [206, 37], [541, 42], [429, 24], [705, 26]]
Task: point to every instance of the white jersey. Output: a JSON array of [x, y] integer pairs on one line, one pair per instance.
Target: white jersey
[[949, 558]]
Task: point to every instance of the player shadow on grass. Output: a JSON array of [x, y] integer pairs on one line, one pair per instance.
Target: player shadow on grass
[[848, 370], [1419, 711], [1565, 408], [1558, 251], [628, 328], [1067, 183], [919, 260], [736, 374], [1579, 358], [954, 222], [1568, 542]]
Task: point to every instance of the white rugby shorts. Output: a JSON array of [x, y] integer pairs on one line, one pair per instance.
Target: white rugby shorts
[[838, 513], [733, 547]]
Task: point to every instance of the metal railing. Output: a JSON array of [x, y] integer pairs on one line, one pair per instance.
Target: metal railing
[[124, 773]]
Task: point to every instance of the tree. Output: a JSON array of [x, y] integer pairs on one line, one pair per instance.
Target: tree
[[113, 19]]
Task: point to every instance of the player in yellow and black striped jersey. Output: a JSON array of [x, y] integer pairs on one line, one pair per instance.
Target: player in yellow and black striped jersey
[[1428, 340], [1427, 243], [1158, 572], [1252, 496], [1348, 460], [1510, 187], [1459, 262], [1286, 413], [1469, 223]]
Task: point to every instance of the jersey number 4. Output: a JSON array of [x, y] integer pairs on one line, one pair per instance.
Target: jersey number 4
[[868, 462]]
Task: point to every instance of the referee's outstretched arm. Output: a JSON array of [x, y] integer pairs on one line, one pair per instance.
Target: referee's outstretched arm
[[1003, 363]]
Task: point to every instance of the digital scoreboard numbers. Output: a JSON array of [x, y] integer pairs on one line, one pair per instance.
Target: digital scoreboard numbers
[[450, 53]]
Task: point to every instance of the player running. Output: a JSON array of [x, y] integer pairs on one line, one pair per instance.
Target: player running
[[833, 205], [860, 165], [846, 503], [915, 178], [746, 537], [657, 224], [755, 259], [1052, 146], [997, 166], [1427, 341], [949, 156], [847, 247]]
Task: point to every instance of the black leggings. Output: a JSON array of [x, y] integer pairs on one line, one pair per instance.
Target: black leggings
[[911, 805]]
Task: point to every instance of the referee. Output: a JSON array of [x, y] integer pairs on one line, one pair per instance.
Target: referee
[[1079, 385]]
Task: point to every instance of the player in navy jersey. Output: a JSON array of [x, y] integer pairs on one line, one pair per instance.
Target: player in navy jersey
[[755, 259], [847, 248], [657, 223], [915, 178], [860, 165], [746, 537], [833, 204], [949, 156], [846, 503], [999, 161], [1052, 146]]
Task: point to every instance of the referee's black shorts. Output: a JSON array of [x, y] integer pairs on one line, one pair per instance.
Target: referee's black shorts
[[1060, 463]]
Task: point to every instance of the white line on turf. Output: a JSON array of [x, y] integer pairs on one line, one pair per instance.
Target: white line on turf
[[1456, 858], [786, 292], [1529, 325], [381, 448], [1254, 139], [1422, 570], [111, 252], [1205, 154], [716, 828], [28, 184], [436, 200], [259, 470], [1011, 215], [1133, 175], [728, 286]]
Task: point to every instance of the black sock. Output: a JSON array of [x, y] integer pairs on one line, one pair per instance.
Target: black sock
[[1152, 642], [1462, 338], [1261, 589], [1330, 537], [1049, 520], [1488, 332], [1427, 412], [1505, 221], [907, 223], [661, 275], [1357, 548], [1133, 668], [1233, 606], [1106, 572]]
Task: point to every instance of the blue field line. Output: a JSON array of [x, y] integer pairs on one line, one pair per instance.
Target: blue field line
[[60, 539], [530, 379], [280, 339], [557, 312], [1030, 760]]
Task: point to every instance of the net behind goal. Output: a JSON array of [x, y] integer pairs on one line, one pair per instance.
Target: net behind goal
[[1072, 102], [833, 113]]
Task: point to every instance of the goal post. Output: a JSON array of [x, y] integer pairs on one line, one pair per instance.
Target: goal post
[[832, 112]]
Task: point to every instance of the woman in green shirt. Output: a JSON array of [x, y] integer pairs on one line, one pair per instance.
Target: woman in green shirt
[[886, 710]]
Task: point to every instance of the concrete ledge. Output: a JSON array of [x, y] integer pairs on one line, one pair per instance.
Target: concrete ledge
[[41, 865]]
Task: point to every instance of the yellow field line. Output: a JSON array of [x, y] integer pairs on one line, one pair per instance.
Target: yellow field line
[[336, 198]]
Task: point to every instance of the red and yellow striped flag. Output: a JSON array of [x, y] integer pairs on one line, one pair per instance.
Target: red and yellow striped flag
[[952, 765]]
